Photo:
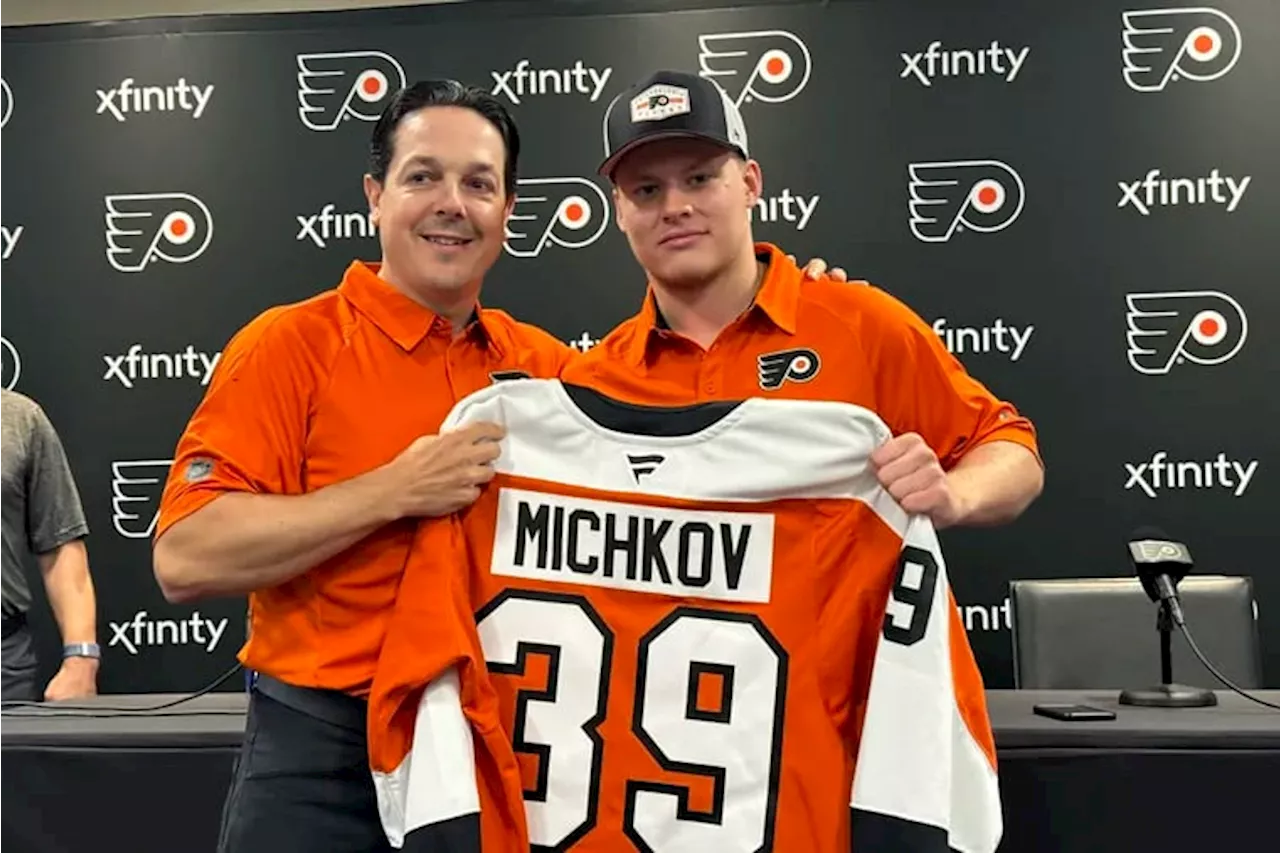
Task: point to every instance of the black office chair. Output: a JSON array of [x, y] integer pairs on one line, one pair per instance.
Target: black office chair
[[1100, 633]]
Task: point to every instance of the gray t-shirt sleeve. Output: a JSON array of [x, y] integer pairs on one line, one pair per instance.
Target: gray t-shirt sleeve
[[54, 514]]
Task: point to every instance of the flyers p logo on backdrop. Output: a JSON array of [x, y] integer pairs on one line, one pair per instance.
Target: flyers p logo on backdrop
[[1201, 326], [136, 487], [10, 365], [352, 84], [1162, 45], [981, 195], [568, 212], [765, 65], [6, 102], [145, 227]]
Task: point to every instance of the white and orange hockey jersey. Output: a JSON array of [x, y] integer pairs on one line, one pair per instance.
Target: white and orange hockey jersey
[[697, 629]]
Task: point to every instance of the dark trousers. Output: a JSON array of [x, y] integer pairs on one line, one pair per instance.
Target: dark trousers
[[18, 662], [302, 782]]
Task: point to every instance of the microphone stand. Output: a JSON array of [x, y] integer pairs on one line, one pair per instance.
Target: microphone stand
[[1168, 694]]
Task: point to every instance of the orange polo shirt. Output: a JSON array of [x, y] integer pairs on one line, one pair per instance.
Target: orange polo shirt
[[318, 392], [816, 340]]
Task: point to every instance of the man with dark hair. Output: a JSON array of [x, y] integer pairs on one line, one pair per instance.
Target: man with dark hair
[[301, 476], [44, 522]]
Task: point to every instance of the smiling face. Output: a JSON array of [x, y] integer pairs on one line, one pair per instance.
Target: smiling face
[[442, 209], [685, 204]]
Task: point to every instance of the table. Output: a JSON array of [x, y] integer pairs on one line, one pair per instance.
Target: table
[[1151, 780]]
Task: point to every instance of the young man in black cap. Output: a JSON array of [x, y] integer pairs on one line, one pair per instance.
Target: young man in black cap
[[726, 317]]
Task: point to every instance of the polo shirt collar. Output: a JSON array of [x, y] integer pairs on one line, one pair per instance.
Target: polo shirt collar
[[400, 318], [778, 299]]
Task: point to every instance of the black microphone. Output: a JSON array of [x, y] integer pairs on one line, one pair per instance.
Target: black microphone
[[1161, 564]]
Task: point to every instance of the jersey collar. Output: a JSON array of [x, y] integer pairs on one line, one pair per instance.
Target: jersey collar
[[400, 318], [777, 301]]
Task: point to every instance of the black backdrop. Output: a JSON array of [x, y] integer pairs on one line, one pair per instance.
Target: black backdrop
[[1072, 181]]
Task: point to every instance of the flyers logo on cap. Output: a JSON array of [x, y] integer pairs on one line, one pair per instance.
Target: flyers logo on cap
[[146, 227], [764, 65], [136, 487], [567, 212], [1201, 326], [1162, 45], [6, 102], [10, 365], [353, 84], [980, 195]]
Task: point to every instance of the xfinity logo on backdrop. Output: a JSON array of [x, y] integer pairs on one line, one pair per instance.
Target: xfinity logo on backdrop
[[1153, 190], [144, 631], [980, 195], [583, 343], [328, 225], [136, 487], [136, 365], [1161, 473], [6, 103], [10, 364], [762, 65], [333, 87], [1165, 45], [523, 81], [1204, 327], [567, 212], [146, 227], [9, 240], [130, 97], [785, 207], [933, 62], [997, 337]]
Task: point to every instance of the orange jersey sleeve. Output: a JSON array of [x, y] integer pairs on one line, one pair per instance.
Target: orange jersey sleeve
[[249, 431]]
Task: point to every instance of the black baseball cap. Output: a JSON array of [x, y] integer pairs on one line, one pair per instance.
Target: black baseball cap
[[670, 104]]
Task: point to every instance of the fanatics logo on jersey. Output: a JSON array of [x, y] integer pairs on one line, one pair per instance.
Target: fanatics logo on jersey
[[763, 65], [644, 464], [136, 487], [328, 225], [6, 102], [567, 212], [795, 365], [659, 102], [725, 556], [1165, 45], [523, 81], [129, 99], [1204, 327], [1160, 473], [953, 195], [333, 87], [147, 227], [10, 364], [9, 240]]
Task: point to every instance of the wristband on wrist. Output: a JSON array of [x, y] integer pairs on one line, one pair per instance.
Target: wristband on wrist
[[81, 650]]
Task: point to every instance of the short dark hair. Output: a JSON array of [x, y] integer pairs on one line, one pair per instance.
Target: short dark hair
[[442, 93]]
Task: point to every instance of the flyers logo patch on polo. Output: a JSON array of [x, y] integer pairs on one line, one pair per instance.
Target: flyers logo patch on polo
[[566, 212], [1165, 45], [980, 195], [147, 227], [762, 65], [353, 84], [794, 365]]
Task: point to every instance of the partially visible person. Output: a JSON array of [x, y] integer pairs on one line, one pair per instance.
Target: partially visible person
[[727, 317], [43, 522]]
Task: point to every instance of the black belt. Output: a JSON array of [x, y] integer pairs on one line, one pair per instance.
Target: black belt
[[12, 624], [332, 706]]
